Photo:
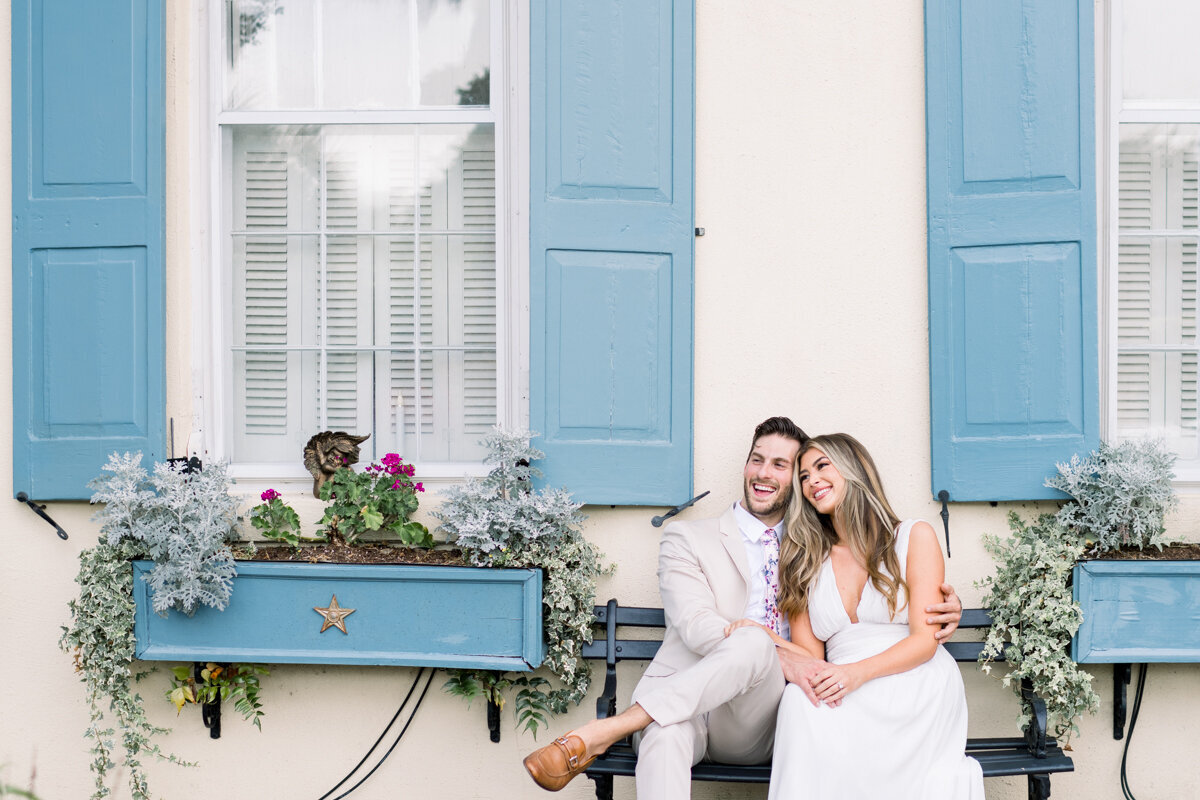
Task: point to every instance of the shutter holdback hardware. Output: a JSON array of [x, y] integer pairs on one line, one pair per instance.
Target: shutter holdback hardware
[[944, 496], [658, 521], [40, 511]]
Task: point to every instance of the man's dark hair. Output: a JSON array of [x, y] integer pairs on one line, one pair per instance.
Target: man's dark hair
[[780, 425]]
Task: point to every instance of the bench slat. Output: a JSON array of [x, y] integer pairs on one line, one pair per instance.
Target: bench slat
[[647, 648]]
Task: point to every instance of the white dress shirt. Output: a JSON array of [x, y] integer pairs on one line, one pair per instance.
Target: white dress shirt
[[752, 530]]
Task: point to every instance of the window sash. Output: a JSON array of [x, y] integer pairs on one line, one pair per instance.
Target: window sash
[[1153, 238], [217, 429]]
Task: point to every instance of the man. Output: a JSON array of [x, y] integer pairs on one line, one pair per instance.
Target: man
[[708, 695]]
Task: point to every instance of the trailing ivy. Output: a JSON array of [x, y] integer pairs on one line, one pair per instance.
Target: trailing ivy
[[181, 520], [1034, 618], [501, 521], [101, 639]]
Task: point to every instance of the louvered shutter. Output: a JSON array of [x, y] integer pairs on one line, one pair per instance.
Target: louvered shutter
[[611, 247], [1014, 383], [273, 296], [87, 259]]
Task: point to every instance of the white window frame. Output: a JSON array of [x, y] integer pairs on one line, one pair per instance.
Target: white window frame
[[212, 408], [1112, 110]]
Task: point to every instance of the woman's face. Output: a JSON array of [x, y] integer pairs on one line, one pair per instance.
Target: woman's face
[[820, 482]]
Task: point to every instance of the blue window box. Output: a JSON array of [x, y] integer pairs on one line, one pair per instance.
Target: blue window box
[[1137, 611], [403, 615]]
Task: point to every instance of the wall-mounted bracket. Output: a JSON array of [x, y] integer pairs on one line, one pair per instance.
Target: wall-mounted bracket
[[493, 720], [210, 713], [40, 511], [1121, 675]]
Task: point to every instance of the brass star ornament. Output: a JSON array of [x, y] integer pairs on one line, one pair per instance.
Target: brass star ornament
[[335, 616]]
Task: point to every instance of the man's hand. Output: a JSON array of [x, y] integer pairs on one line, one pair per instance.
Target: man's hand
[[800, 669], [947, 614]]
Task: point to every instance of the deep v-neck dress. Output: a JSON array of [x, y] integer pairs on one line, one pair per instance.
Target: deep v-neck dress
[[899, 737]]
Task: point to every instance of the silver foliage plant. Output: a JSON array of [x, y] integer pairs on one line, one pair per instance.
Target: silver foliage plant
[[1121, 493], [500, 520], [179, 520]]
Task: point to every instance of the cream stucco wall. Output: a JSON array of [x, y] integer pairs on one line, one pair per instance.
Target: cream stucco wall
[[810, 301]]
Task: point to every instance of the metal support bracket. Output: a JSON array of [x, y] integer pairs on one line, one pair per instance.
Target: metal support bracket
[[40, 511], [1121, 675], [210, 713], [493, 720]]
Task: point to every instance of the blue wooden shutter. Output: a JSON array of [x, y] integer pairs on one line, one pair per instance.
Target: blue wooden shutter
[[1012, 243], [88, 216], [611, 247]]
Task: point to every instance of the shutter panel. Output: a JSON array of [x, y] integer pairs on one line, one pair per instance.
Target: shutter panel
[[88, 217], [269, 293], [611, 222], [1014, 381]]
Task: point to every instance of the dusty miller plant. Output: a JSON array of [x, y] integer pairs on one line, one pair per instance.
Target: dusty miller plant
[[501, 521], [1120, 495], [180, 520], [1034, 618]]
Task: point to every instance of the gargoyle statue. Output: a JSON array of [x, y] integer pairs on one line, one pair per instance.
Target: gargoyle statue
[[329, 450]]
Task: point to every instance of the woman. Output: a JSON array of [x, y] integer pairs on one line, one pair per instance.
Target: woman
[[892, 718]]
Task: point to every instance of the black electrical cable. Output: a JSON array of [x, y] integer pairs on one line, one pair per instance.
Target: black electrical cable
[[388, 727], [1133, 715], [399, 736]]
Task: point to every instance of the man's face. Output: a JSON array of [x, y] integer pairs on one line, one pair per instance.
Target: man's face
[[768, 477]]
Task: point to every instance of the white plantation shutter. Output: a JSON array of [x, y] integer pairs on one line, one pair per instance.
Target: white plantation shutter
[[479, 289], [379, 309], [267, 295], [1156, 297], [1134, 292]]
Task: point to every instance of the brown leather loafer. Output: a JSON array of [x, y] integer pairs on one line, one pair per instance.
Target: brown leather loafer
[[554, 765]]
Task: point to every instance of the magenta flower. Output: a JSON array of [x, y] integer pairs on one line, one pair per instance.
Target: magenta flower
[[420, 487], [391, 459], [269, 495]]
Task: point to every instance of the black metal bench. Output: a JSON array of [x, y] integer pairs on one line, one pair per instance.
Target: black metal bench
[[1034, 755]]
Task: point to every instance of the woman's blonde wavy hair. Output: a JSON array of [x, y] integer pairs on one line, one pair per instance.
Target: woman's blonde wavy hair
[[864, 516]]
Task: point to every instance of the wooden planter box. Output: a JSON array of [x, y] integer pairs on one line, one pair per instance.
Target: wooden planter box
[[1137, 611], [408, 615]]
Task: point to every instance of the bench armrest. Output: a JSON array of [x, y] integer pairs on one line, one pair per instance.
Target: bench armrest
[[606, 704], [1035, 732]]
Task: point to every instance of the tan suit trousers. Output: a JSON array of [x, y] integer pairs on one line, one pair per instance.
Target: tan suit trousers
[[722, 708]]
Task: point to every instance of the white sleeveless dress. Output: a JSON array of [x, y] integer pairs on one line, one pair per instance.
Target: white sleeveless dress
[[900, 737]]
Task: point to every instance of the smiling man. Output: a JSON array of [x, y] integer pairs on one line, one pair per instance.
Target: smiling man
[[707, 695]]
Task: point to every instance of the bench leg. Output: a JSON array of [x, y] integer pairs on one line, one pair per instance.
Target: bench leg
[[604, 786], [1039, 787]]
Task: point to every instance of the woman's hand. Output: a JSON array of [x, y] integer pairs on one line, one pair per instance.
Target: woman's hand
[[744, 623], [834, 682]]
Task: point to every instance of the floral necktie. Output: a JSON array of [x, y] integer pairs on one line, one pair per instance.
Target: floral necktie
[[770, 540]]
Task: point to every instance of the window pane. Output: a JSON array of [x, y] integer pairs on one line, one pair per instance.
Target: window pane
[[364, 288], [1156, 397], [357, 54], [1160, 58], [1158, 176]]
